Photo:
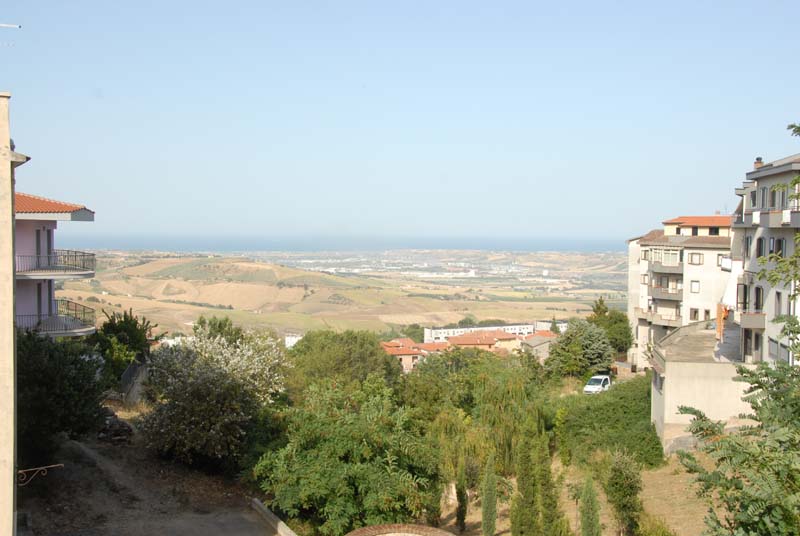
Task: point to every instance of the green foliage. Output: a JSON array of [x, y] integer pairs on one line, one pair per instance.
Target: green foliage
[[525, 513], [207, 393], [349, 356], [489, 498], [414, 332], [552, 517], [622, 485], [582, 349], [754, 486], [116, 358], [794, 128], [219, 327], [129, 329], [653, 526], [352, 458], [585, 424], [590, 510], [554, 327], [614, 323], [462, 498], [57, 392]]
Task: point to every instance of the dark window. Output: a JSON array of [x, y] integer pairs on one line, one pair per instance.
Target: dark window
[[778, 300], [764, 197], [772, 244], [694, 231], [773, 198], [759, 247], [779, 246], [713, 231], [707, 314], [757, 346], [748, 243], [753, 199], [758, 300], [694, 314]]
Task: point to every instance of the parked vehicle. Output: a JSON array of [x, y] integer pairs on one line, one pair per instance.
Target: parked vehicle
[[597, 384]]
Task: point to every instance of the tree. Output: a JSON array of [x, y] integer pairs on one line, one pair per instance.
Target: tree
[[525, 512], [754, 486], [352, 458], [590, 510], [622, 486], [581, 349], [219, 327], [349, 356], [614, 323], [794, 128], [554, 327], [489, 498], [207, 393], [552, 518], [129, 329], [462, 498], [415, 332], [58, 392]]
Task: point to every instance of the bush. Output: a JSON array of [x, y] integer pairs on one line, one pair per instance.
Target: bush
[[57, 392], [582, 349], [616, 419], [622, 486], [207, 394], [353, 458]]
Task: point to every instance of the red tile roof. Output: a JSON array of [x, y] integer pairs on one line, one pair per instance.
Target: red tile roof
[[541, 333], [397, 351], [701, 221], [432, 346], [27, 203]]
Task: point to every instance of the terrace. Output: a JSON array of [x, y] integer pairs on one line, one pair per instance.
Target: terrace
[[60, 264], [70, 319]]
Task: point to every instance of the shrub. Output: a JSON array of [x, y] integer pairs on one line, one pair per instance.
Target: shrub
[[622, 485], [582, 349], [207, 393], [353, 458], [489, 498], [57, 392], [616, 419], [590, 510]]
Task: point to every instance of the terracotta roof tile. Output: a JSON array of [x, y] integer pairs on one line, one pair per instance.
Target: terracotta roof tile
[[657, 238], [27, 203], [396, 351], [702, 221]]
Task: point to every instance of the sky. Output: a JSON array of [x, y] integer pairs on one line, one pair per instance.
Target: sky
[[392, 121]]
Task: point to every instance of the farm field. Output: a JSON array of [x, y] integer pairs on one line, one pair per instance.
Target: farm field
[[297, 292]]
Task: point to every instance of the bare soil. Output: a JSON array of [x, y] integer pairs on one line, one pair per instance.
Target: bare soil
[[125, 490]]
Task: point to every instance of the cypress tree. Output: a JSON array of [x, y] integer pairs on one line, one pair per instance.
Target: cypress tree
[[489, 498], [590, 510], [462, 497], [524, 506]]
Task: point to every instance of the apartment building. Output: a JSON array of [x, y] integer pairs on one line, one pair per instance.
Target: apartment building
[[767, 221], [39, 265], [676, 275], [523, 330]]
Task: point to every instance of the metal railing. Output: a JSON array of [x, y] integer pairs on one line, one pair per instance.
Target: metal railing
[[60, 260], [67, 316]]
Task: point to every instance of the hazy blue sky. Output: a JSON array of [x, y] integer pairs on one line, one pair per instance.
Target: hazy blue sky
[[409, 118]]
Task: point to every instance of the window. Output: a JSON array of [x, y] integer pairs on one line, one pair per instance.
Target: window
[[760, 247], [753, 199], [773, 348], [748, 243], [713, 231], [645, 254], [671, 257], [694, 315], [664, 282], [645, 279], [780, 244], [764, 197], [694, 231], [758, 302], [695, 287], [757, 346], [784, 353], [720, 256], [782, 199], [771, 244], [695, 258], [707, 314], [773, 198], [778, 302]]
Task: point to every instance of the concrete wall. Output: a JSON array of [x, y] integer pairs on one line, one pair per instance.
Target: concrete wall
[[712, 282], [7, 335], [26, 296], [708, 387], [25, 236]]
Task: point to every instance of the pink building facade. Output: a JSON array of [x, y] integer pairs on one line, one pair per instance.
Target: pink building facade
[[39, 266]]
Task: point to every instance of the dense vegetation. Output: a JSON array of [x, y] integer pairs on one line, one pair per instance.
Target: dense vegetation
[[616, 419], [58, 392]]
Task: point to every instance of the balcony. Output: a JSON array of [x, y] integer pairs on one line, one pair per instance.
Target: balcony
[[672, 321], [751, 320], [662, 268], [665, 293], [60, 264], [69, 320]]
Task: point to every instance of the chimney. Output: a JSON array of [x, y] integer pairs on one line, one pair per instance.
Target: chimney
[[758, 163]]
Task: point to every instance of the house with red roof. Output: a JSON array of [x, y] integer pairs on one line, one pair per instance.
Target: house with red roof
[[39, 265], [410, 353]]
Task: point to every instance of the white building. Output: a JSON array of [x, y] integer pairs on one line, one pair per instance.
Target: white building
[[767, 221], [676, 275], [442, 334]]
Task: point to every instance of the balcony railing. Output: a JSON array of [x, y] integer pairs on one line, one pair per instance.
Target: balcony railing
[[69, 317], [666, 293], [60, 261], [662, 268]]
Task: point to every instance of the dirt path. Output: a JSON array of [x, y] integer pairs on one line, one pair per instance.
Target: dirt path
[[123, 490]]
